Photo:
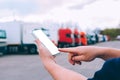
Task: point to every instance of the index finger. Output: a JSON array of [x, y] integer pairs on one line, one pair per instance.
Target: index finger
[[68, 50]]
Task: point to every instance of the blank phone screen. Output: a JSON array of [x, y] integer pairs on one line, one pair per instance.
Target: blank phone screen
[[46, 41]]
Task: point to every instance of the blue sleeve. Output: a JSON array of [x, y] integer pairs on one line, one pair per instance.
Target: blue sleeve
[[109, 71]]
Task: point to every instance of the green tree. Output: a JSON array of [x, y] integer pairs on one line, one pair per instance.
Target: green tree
[[113, 32]]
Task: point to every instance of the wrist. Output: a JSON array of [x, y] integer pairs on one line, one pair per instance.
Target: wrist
[[103, 52], [47, 62]]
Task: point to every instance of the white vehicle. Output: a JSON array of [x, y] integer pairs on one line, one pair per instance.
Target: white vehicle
[[3, 46], [91, 38], [118, 37], [100, 38], [19, 37]]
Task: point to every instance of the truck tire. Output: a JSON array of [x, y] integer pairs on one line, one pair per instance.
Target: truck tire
[[1, 54], [32, 50]]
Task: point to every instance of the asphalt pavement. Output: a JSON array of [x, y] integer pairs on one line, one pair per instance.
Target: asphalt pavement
[[29, 67]]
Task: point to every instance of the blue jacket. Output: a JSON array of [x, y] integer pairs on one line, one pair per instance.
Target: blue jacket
[[109, 71]]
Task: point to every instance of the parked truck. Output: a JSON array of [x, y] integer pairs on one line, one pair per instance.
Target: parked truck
[[19, 37], [3, 45], [16, 37]]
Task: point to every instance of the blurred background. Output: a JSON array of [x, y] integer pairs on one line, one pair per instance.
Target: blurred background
[[68, 23]]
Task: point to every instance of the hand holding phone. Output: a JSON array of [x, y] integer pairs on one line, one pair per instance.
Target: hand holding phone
[[39, 34]]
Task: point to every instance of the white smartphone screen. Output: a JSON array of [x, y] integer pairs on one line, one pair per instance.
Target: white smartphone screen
[[39, 34]]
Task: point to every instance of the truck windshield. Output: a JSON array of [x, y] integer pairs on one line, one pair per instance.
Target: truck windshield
[[2, 34]]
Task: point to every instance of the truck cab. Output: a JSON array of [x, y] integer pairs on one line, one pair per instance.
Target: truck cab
[[3, 44]]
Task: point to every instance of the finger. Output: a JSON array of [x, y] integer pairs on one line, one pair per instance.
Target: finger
[[40, 46], [78, 62], [78, 58], [70, 58], [43, 51], [38, 42], [68, 50]]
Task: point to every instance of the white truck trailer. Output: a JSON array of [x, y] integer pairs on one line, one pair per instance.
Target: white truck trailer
[[19, 37]]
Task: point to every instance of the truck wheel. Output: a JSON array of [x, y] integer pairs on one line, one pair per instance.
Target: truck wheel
[[1, 54], [32, 50]]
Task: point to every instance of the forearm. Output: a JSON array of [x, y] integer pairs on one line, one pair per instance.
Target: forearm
[[61, 73], [107, 53]]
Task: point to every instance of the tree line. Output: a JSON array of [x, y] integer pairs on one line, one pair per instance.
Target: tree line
[[113, 32]]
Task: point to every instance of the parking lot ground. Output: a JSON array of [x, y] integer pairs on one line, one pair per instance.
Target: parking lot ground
[[29, 67]]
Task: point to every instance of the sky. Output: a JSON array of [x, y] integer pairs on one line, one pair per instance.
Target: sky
[[85, 13]]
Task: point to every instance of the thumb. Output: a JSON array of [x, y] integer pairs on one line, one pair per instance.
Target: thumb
[[38, 42], [39, 45]]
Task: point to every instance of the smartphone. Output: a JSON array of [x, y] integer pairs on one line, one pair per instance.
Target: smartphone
[[39, 34]]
